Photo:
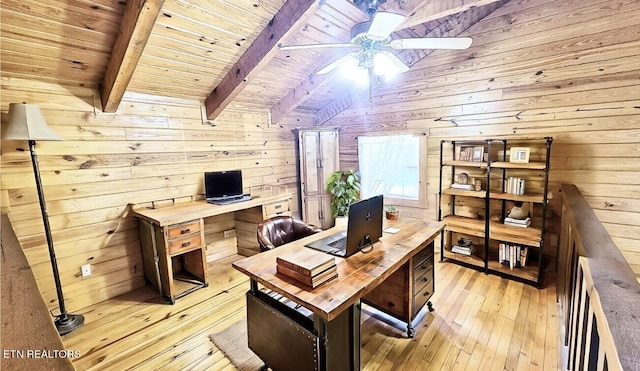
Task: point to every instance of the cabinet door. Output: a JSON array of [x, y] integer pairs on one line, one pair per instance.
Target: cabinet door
[[317, 211], [309, 163], [329, 156], [318, 159]]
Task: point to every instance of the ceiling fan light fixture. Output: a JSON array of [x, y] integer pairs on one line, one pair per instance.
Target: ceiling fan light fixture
[[351, 69], [383, 66]]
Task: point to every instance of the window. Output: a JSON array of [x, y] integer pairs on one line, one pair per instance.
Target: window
[[391, 165]]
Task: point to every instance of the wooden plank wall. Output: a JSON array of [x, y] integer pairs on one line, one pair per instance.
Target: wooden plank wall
[[152, 148], [567, 69]]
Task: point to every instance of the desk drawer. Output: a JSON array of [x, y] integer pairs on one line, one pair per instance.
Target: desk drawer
[[276, 208], [179, 245], [184, 229], [425, 254], [420, 270], [421, 281], [421, 298]]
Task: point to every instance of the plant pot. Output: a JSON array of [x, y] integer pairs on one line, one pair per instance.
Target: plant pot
[[392, 215]]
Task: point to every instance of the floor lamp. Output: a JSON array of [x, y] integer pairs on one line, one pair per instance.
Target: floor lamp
[[27, 123]]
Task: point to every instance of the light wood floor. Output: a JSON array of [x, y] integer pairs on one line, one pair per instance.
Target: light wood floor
[[480, 322]]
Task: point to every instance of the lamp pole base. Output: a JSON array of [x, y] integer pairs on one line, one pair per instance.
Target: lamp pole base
[[65, 323]]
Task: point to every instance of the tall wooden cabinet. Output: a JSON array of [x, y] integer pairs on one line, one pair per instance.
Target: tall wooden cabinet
[[493, 198], [318, 158]]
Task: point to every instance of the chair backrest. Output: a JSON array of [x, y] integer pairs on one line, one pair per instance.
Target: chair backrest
[[279, 230]]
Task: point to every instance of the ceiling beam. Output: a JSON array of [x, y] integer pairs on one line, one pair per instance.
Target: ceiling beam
[[433, 10], [259, 53], [137, 23], [451, 27], [417, 11]]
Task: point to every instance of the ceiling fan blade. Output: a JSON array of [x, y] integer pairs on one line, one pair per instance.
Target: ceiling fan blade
[[333, 65], [311, 46], [432, 43], [384, 23]]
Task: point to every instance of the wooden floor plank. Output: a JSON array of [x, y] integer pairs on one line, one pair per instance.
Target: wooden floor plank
[[479, 320]]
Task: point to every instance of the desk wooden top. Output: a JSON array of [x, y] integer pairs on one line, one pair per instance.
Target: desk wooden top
[[357, 275], [186, 211]]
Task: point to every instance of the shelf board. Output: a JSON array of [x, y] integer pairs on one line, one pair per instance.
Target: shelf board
[[460, 224], [462, 192], [476, 164], [475, 260], [518, 165], [529, 236], [529, 272], [537, 198]]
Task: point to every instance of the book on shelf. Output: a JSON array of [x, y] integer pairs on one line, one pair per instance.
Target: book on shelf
[[466, 187], [312, 281], [523, 223], [514, 185], [512, 256], [526, 220], [464, 250], [306, 261], [517, 224]]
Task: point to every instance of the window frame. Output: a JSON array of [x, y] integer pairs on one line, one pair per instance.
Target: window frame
[[422, 201]]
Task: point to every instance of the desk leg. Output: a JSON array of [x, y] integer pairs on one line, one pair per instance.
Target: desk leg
[[341, 340]]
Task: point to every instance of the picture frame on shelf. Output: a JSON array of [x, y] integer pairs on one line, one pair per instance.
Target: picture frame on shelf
[[466, 153], [519, 154], [478, 154]]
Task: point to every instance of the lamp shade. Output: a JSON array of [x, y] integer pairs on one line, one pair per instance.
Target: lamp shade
[[27, 123]]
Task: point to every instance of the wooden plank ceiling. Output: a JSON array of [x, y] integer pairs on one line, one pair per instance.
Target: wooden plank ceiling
[[222, 52]]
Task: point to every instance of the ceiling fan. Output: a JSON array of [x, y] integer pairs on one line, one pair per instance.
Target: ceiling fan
[[374, 45]]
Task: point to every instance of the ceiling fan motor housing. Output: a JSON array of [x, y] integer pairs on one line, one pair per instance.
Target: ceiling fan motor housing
[[370, 7]]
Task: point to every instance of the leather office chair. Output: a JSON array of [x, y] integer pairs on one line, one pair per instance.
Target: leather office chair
[[282, 229]]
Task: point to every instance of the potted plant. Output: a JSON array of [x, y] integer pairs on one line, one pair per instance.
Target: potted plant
[[344, 188], [392, 212]]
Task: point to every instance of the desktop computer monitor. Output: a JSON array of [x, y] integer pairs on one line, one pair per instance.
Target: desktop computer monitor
[[365, 221]]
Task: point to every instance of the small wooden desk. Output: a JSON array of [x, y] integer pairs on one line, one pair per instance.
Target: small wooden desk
[[173, 240], [329, 337]]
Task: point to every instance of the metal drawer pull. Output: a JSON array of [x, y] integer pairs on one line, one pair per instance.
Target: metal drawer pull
[[186, 244], [390, 304], [425, 279], [186, 230], [277, 206]]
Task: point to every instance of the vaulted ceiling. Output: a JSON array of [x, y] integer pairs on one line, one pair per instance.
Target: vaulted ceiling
[[222, 52]]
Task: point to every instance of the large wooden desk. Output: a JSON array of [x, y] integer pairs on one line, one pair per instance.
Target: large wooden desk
[[173, 240], [328, 338]]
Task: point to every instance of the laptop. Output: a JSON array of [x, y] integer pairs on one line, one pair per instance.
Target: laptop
[[364, 227], [224, 187]]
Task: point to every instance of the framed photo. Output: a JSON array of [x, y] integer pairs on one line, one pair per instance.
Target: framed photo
[[519, 154], [466, 153], [478, 153]]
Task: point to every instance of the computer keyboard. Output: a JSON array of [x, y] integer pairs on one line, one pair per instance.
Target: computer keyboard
[[339, 244], [231, 200]]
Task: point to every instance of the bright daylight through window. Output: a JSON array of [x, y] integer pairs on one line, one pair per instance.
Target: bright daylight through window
[[390, 165]]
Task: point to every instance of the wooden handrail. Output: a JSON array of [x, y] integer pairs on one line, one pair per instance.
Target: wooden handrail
[[597, 290]]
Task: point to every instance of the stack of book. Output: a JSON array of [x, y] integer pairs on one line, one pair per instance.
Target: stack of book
[[524, 223], [463, 250], [310, 267], [514, 185], [465, 247], [513, 256]]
